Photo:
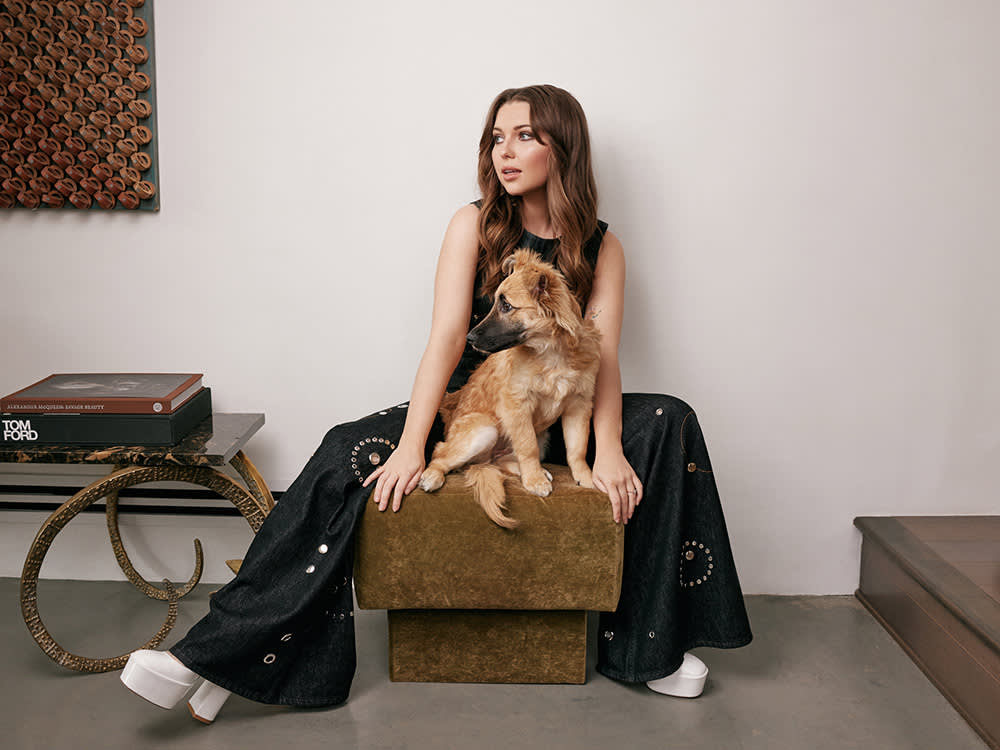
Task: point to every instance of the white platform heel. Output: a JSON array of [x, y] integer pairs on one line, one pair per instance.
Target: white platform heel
[[163, 681], [158, 677], [206, 701], [687, 682]]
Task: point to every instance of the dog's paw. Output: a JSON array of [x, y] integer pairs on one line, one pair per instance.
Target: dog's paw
[[539, 486], [431, 480]]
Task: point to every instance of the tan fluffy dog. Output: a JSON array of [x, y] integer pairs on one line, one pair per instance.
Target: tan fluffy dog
[[543, 366]]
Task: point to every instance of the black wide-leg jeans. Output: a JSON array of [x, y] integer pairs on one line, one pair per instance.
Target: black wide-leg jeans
[[283, 630]]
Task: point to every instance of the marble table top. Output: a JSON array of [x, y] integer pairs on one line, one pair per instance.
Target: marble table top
[[212, 443]]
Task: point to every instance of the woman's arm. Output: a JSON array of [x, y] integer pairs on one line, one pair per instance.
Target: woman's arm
[[612, 472], [453, 291]]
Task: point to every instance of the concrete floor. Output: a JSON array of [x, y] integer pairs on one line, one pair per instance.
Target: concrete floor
[[820, 674]]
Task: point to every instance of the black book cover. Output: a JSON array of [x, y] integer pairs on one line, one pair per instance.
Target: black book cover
[[28, 429]]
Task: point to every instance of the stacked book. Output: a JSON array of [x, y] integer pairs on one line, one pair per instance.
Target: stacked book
[[105, 409]]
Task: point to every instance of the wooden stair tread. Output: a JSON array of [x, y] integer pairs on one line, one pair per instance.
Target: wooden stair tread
[[933, 583], [903, 539]]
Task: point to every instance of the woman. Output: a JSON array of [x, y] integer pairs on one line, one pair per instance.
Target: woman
[[282, 630]]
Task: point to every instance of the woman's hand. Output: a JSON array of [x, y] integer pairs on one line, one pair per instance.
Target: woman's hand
[[614, 476], [398, 476]]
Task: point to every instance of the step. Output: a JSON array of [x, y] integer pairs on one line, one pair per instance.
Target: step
[[933, 582]]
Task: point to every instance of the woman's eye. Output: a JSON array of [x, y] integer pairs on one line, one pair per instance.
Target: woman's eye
[[497, 139], [524, 135]]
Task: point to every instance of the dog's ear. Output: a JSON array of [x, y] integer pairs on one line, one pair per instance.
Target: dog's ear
[[521, 256], [507, 267], [557, 302], [541, 285], [563, 315]]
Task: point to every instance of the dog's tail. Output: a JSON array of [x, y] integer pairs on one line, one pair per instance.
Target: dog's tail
[[486, 481]]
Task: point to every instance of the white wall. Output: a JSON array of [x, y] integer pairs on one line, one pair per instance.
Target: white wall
[[803, 189]]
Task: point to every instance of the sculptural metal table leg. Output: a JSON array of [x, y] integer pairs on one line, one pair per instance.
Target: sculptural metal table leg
[[253, 501]]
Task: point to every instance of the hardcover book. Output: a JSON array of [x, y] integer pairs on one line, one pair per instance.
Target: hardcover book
[[28, 428], [105, 393]]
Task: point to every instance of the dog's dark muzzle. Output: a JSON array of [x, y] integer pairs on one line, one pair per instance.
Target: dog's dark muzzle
[[491, 336]]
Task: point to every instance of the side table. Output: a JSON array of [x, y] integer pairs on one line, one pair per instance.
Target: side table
[[218, 440]]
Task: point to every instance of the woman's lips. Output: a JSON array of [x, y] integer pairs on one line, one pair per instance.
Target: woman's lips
[[510, 174]]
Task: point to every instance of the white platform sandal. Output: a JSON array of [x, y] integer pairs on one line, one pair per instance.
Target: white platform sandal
[[163, 681], [687, 682], [206, 701]]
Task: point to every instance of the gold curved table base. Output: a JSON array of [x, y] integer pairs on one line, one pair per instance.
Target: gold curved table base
[[84, 664], [254, 481], [165, 594], [254, 502]]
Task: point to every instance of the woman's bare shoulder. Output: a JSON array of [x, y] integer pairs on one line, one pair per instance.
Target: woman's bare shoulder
[[467, 215], [610, 239], [611, 252], [463, 229], [461, 240]]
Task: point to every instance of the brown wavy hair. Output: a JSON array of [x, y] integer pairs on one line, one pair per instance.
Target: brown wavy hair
[[558, 122]]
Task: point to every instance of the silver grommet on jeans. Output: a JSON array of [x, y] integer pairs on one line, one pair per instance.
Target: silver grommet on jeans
[[690, 578], [608, 635], [269, 659], [286, 637], [373, 458], [323, 549], [311, 569]]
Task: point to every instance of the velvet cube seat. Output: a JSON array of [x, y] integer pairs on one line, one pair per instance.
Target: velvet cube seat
[[469, 601]]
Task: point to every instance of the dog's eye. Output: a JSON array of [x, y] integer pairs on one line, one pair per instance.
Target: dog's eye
[[505, 306]]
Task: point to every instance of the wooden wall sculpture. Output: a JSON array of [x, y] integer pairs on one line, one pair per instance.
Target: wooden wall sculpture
[[77, 105]]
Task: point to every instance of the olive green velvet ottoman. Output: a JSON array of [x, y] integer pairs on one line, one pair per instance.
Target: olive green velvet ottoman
[[469, 601]]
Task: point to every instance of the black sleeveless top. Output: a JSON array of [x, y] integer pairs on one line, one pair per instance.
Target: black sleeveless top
[[481, 306]]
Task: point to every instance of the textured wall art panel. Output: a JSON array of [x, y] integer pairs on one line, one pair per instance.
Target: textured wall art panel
[[78, 105]]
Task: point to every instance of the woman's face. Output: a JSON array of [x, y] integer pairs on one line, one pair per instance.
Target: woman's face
[[520, 160]]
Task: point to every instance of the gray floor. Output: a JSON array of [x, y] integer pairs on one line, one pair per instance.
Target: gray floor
[[819, 674]]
